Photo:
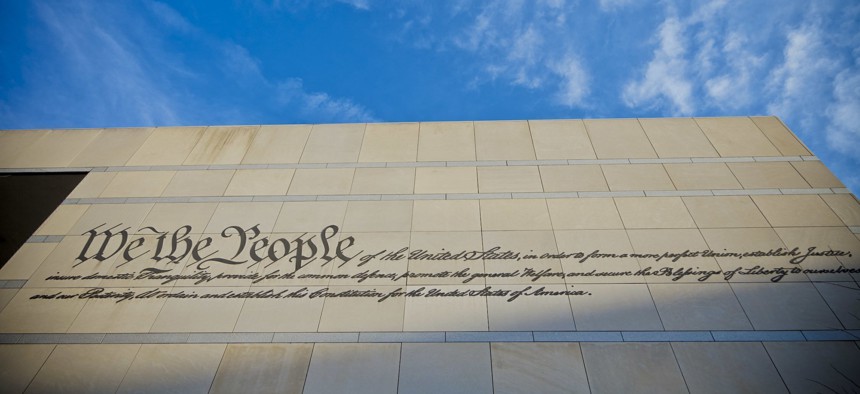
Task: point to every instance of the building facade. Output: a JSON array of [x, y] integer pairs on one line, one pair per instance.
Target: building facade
[[611, 255]]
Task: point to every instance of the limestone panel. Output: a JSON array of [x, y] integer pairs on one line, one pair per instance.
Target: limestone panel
[[334, 143], [277, 144], [446, 141], [738, 136], [503, 141], [619, 139], [560, 139], [389, 142], [167, 146], [677, 137]]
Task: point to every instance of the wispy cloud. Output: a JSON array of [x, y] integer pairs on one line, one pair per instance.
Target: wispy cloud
[[524, 44], [106, 64], [665, 78]]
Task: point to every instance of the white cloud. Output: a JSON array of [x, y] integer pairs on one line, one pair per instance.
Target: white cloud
[[665, 77], [804, 71], [843, 130], [574, 89], [520, 43], [613, 5], [317, 105], [360, 4]]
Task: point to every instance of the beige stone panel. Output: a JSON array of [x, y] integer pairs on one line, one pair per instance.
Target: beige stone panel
[[446, 141], [796, 211], [430, 244], [509, 179], [272, 182], [389, 142], [6, 296], [531, 313], [842, 299], [768, 175], [785, 306], [222, 145], [63, 261], [245, 215], [277, 144], [263, 368], [741, 240], [727, 367], [313, 272], [438, 313], [39, 316], [169, 217], [621, 177], [529, 214], [529, 248], [121, 215], [648, 368], [446, 215], [383, 181], [509, 140], [736, 136], [698, 306], [354, 314], [107, 315], [26, 260], [392, 260], [315, 181], [311, 216], [57, 149], [845, 206], [654, 212], [92, 185], [61, 220], [811, 367], [445, 368], [602, 250], [370, 216], [531, 251], [199, 183], [725, 211], [173, 369], [144, 256], [824, 239], [677, 137], [14, 142], [619, 139], [84, 369], [816, 174], [614, 307], [538, 367], [702, 176], [561, 139], [167, 146], [780, 136], [225, 247], [138, 184], [662, 246], [20, 363], [583, 213], [281, 314], [353, 368], [334, 143], [112, 147], [199, 314], [577, 178], [430, 180]]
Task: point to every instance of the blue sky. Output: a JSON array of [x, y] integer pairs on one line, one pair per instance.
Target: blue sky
[[69, 64]]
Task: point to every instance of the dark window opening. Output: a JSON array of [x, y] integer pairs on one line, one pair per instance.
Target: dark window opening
[[26, 200]]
